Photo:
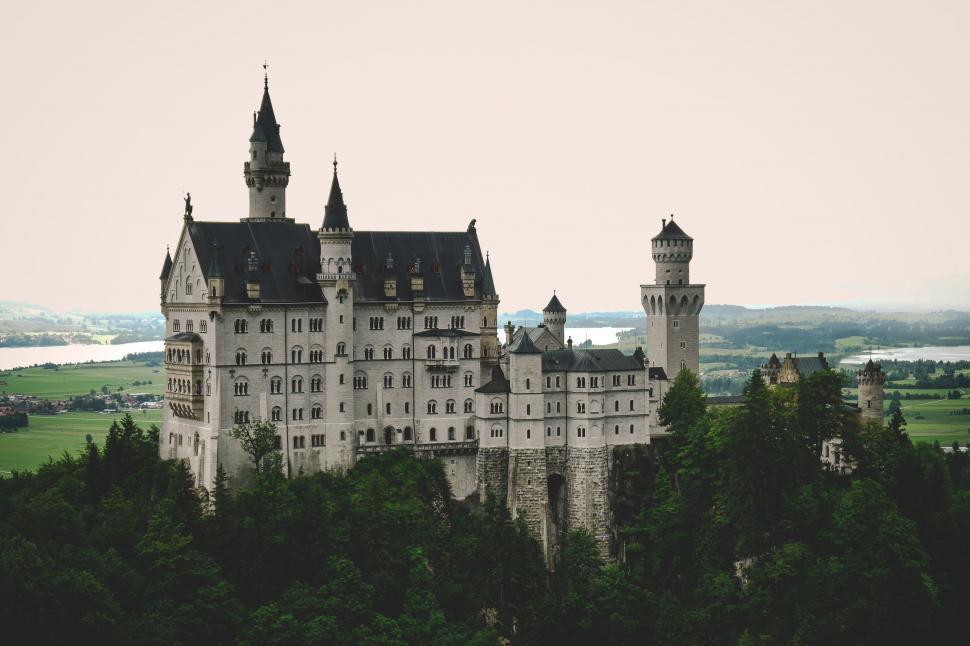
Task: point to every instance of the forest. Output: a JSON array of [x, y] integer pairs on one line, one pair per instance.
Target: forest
[[731, 531]]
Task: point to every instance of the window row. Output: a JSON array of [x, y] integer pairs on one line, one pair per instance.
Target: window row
[[184, 386], [469, 406], [177, 325]]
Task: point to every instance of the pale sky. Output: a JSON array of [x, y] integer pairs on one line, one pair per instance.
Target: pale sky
[[817, 151]]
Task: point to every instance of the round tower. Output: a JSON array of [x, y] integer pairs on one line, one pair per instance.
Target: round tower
[[673, 304], [672, 251], [554, 318], [871, 392]]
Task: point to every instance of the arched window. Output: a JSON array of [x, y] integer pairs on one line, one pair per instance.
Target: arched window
[[450, 406], [266, 356], [406, 380], [469, 379], [341, 349], [296, 355], [277, 414], [388, 380], [275, 386], [360, 381], [240, 357], [451, 433], [467, 353], [433, 435], [316, 412], [388, 351], [469, 406], [370, 435], [406, 352], [407, 433], [431, 352], [296, 385], [469, 432], [432, 407], [316, 384]]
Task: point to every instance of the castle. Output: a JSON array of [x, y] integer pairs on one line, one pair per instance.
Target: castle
[[353, 342]]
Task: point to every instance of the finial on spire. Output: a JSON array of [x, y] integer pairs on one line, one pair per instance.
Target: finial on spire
[[671, 216], [335, 163], [265, 75]]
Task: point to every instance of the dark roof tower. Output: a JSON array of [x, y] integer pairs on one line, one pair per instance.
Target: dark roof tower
[[267, 175], [335, 213], [166, 266], [488, 283], [265, 128], [554, 305], [671, 231], [525, 346]]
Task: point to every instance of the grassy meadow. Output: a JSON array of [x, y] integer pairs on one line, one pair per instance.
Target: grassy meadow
[[51, 435], [80, 379]]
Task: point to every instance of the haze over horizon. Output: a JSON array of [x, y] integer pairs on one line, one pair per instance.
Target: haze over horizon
[[815, 154]]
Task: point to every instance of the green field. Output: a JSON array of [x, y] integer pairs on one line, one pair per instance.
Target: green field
[[51, 435], [80, 379]]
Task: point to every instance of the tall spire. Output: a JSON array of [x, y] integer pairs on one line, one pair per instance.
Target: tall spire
[[488, 283], [335, 213], [266, 129], [267, 174]]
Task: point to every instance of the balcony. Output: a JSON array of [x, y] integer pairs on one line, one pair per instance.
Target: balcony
[[187, 405], [442, 365]]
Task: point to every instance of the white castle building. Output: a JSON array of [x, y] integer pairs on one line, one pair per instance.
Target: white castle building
[[353, 342]]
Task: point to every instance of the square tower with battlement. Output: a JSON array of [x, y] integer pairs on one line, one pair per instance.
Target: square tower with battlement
[[673, 304]]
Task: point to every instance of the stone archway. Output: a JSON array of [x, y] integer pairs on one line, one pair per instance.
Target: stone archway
[[389, 435]]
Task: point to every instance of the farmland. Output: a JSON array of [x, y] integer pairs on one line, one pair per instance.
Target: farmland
[[66, 381], [52, 435]]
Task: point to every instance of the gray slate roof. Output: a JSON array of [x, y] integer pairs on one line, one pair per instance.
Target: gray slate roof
[[671, 231], [525, 346], [807, 366], [554, 305], [444, 250], [166, 266], [569, 360], [185, 337], [335, 213], [497, 384], [286, 252], [266, 129], [289, 259]]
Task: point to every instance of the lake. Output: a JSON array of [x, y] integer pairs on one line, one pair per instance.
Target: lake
[[598, 335], [932, 353], [73, 353]]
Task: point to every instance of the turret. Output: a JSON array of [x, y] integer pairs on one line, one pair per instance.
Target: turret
[[267, 175], [672, 250], [871, 391], [490, 302], [166, 270], [216, 280], [554, 317], [673, 304]]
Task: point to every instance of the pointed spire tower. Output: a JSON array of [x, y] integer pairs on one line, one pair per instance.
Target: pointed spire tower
[[554, 318], [267, 175], [335, 213], [490, 353]]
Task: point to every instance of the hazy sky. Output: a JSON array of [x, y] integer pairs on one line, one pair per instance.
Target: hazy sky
[[817, 151]]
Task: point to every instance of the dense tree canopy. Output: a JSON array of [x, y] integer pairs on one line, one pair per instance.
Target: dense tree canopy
[[732, 531]]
